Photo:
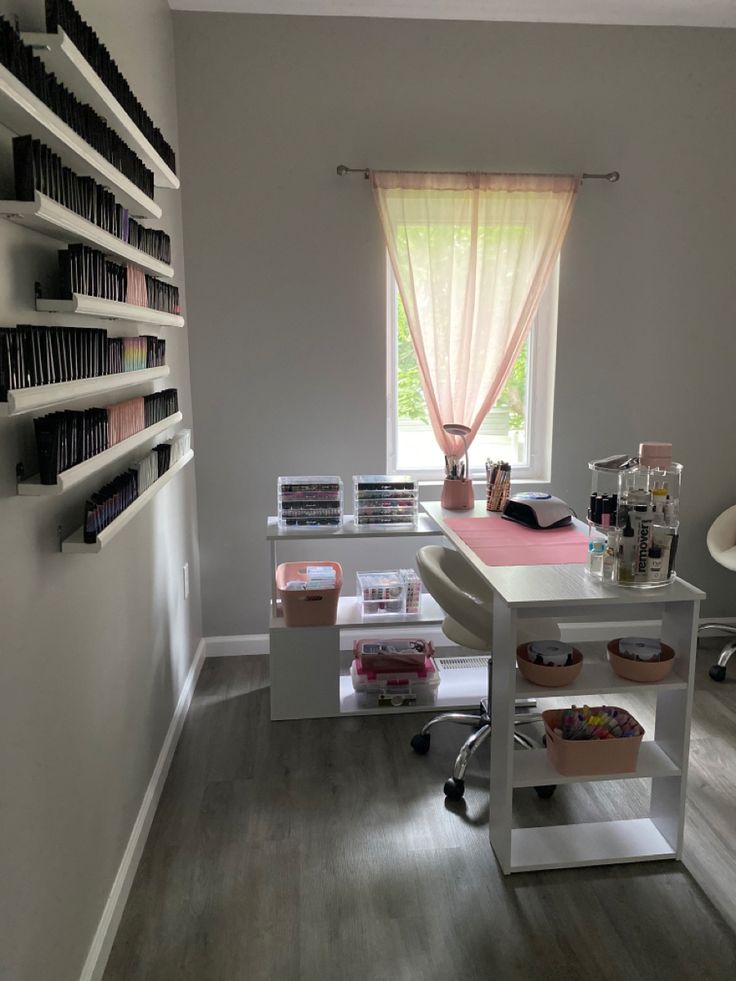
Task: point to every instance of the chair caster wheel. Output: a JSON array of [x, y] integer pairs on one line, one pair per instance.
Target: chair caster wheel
[[718, 672], [454, 789], [546, 792], [420, 743]]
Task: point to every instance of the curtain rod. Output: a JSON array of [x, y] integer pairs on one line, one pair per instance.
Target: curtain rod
[[611, 177]]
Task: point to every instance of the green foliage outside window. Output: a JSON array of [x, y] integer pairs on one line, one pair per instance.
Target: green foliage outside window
[[411, 404]]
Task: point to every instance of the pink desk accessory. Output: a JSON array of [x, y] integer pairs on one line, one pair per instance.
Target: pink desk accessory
[[499, 542]]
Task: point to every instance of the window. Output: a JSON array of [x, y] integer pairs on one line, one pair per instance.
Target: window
[[517, 429]]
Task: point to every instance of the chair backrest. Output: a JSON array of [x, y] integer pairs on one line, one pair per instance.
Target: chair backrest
[[461, 592], [721, 538], [467, 599]]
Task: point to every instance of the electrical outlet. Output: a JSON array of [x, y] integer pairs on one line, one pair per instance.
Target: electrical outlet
[[186, 580]]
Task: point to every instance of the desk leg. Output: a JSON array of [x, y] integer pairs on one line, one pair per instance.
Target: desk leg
[[503, 695], [672, 726]]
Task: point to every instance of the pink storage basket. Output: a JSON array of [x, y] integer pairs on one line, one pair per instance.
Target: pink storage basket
[[588, 757], [307, 607]]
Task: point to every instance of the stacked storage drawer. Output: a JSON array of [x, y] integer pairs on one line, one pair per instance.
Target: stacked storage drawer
[[309, 502], [384, 499]]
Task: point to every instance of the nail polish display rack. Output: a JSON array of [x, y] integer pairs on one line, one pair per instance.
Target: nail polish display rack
[[22, 112]]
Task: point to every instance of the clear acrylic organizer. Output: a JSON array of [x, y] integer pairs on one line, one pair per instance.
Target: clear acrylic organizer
[[634, 519], [310, 502]]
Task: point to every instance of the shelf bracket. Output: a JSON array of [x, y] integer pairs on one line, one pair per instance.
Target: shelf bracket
[[59, 536], [20, 472]]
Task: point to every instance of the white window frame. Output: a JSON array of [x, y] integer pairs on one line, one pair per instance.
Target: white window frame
[[540, 390]]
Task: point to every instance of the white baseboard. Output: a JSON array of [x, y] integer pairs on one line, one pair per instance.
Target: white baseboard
[[573, 631], [239, 645], [102, 942]]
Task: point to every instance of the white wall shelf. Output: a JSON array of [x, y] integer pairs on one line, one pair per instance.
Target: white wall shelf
[[75, 475], [62, 57], [93, 306], [22, 112], [76, 544], [22, 400], [46, 216]]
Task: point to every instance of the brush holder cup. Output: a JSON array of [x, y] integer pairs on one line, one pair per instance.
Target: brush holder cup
[[634, 511], [457, 495]]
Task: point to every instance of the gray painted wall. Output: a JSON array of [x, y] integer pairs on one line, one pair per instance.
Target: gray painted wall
[[286, 269], [93, 649]]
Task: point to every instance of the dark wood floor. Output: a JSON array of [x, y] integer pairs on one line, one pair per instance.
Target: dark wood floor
[[324, 850]]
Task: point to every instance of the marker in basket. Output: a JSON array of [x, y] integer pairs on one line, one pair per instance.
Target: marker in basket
[[599, 723]]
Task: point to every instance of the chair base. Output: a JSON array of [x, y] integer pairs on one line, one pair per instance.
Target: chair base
[[481, 724], [718, 671]]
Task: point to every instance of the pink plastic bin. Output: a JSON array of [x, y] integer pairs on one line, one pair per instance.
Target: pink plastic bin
[[588, 757], [307, 607]]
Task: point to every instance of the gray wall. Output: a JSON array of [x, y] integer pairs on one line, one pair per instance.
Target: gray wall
[[286, 268], [93, 649]]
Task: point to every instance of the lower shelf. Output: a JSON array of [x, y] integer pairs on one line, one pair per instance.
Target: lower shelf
[[602, 843], [459, 689], [532, 768], [76, 542]]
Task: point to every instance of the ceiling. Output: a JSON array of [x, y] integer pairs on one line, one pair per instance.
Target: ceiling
[[681, 13]]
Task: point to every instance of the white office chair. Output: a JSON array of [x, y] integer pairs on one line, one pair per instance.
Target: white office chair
[[468, 604], [721, 542]]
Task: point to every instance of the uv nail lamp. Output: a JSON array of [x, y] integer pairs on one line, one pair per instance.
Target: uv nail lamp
[[536, 510]]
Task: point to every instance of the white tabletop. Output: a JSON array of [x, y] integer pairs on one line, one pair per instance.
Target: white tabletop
[[554, 585]]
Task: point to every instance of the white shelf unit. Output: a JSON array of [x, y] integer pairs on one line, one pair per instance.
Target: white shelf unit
[[50, 218], [93, 306], [75, 543], [305, 661], [32, 487], [23, 400], [22, 112], [62, 57], [559, 592]]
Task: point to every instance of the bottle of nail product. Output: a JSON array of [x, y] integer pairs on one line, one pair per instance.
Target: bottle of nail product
[[655, 572], [627, 553]]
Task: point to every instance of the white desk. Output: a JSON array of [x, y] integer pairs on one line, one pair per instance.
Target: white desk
[[563, 591]]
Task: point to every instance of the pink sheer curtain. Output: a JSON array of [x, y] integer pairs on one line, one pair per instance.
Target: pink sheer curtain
[[472, 255]]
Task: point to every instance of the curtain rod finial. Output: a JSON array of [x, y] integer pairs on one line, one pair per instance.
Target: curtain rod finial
[[614, 176], [341, 170]]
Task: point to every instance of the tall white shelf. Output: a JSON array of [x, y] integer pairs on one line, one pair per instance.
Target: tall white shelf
[[561, 592]]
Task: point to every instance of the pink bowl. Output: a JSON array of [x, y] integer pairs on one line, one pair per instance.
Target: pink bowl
[[545, 675], [642, 671]]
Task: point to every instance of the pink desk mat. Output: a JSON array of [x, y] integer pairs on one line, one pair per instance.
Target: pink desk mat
[[499, 542]]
